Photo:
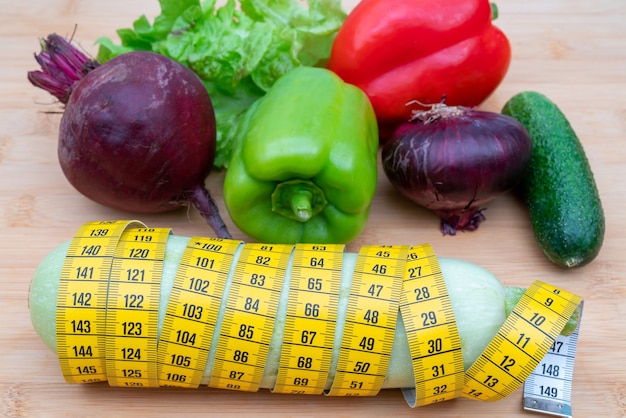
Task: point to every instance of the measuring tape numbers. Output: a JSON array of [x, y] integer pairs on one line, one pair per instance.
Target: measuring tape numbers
[[431, 329], [370, 321], [133, 307], [193, 309], [310, 322], [249, 317], [526, 336], [81, 300], [549, 387], [108, 312]]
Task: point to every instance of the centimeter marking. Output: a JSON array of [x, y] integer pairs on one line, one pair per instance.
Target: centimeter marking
[[370, 321], [248, 321], [311, 318], [549, 388], [193, 309], [81, 300], [520, 344], [430, 325], [133, 308], [108, 302]]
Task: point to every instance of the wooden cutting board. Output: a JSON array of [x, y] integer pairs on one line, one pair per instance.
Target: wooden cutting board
[[571, 50]]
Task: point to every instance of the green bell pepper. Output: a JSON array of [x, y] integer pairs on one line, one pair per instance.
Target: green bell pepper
[[304, 163]]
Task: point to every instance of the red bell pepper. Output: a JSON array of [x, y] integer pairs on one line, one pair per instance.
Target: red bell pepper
[[406, 52]]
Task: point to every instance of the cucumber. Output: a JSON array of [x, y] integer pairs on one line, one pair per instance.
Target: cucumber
[[558, 186]]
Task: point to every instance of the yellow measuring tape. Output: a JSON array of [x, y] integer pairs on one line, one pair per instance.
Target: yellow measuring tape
[[311, 318], [431, 330], [370, 321], [108, 303], [248, 322], [192, 310], [82, 299], [133, 307], [521, 343]]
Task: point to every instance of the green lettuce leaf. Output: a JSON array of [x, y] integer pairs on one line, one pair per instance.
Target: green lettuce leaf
[[238, 49]]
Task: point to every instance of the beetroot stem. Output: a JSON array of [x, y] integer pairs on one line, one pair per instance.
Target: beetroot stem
[[62, 67], [201, 199]]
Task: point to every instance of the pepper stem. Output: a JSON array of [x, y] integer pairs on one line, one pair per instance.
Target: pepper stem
[[494, 11], [301, 205], [299, 200]]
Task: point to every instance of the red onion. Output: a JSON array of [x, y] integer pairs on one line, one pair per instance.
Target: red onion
[[453, 160]]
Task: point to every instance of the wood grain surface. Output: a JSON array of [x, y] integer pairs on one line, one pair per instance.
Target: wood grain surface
[[574, 51]]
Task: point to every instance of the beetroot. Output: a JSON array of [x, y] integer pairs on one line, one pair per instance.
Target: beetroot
[[137, 132]]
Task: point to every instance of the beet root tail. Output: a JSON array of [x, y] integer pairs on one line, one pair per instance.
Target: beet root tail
[[201, 199]]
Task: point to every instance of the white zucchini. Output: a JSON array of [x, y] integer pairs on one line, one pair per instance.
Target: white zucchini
[[477, 297]]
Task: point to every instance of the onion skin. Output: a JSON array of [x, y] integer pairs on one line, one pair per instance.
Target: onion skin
[[454, 160]]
